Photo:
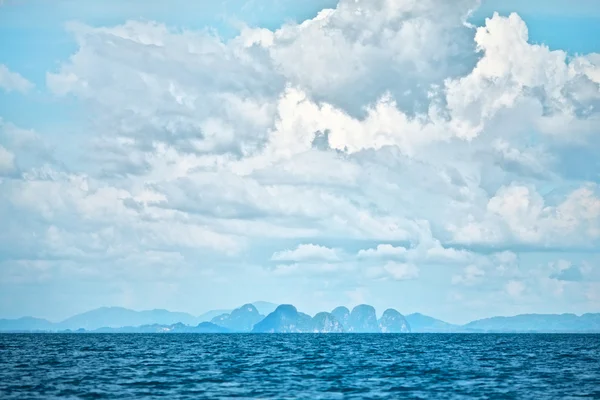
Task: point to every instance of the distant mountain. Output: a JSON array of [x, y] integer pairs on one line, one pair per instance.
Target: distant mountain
[[342, 314], [423, 323], [325, 322], [363, 320], [537, 323], [203, 327], [241, 319], [393, 322], [264, 307], [285, 319], [209, 315], [207, 327], [26, 324], [115, 317]]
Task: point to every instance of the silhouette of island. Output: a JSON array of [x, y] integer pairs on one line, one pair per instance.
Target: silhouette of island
[[264, 317]]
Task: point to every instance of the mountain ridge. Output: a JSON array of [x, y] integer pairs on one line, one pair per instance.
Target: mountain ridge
[[114, 317], [339, 320]]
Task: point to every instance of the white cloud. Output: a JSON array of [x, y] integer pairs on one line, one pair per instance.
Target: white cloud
[[268, 103], [7, 160], [509, 75], [401, 271], [393, 130], [13, 81], [79, 205], [515, 288], [307, 252], [567, 271], [519, 213], [383, 251], [362, 45], [310, 269], [470, 275], [426, 250]]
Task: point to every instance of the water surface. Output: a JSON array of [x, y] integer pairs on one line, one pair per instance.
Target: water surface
[[302, 366]]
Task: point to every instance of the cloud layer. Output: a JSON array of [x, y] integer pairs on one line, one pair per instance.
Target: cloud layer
[[394, 129], [13, 81]]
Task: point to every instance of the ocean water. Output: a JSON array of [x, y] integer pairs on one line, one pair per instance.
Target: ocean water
[[302, 366]]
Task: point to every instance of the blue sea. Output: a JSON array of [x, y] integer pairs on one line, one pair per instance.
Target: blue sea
[[299, 366]]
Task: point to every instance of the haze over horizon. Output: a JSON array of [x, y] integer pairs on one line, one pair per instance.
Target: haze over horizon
[[266, 308], [428, 156]]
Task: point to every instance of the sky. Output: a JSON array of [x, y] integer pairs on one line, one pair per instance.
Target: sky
[[430, 156]]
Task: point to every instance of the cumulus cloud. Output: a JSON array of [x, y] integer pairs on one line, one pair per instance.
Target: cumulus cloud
[[470, 275], [515, 288], [13, 81], [319, 269], [571, 273], [566, 271], [7, 160], [519, 213], [394, 129], [513, 73], [251, 133], [401, 271], [307, 252], [383, 251], [426, 250]]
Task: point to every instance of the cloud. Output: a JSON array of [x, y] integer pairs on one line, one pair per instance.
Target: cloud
[[246, 140], [13, 81], [515, 73], [412, 143], [518, 213], [401, 271], [515, 289], [363, 47], [566, 271], [7, 160], [320, 269], [391, 270], [571, 274], [471, 274], [426, 250], [307, 252], [383, 251]]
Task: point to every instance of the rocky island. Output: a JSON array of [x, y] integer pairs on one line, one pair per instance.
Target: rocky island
[[362, 319], [264, 317]]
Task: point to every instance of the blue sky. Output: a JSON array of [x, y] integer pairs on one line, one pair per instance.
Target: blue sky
[[200, 155]]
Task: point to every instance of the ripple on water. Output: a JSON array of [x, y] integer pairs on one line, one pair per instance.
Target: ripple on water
[[305, 366]]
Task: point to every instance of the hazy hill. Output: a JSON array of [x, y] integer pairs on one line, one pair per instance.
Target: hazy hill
[[285, 319], [209, 315], [342, 314], [325, 322], [423, 323], [115, 317], [363, 319], [393, 322], [26, 324], [241, 319], [119, 317], [538, 323], [203, 327], [264, 307]]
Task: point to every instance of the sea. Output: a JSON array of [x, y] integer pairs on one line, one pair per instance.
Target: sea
[[299, 366]]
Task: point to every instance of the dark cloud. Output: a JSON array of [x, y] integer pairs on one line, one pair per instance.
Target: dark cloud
[[570, 274]]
